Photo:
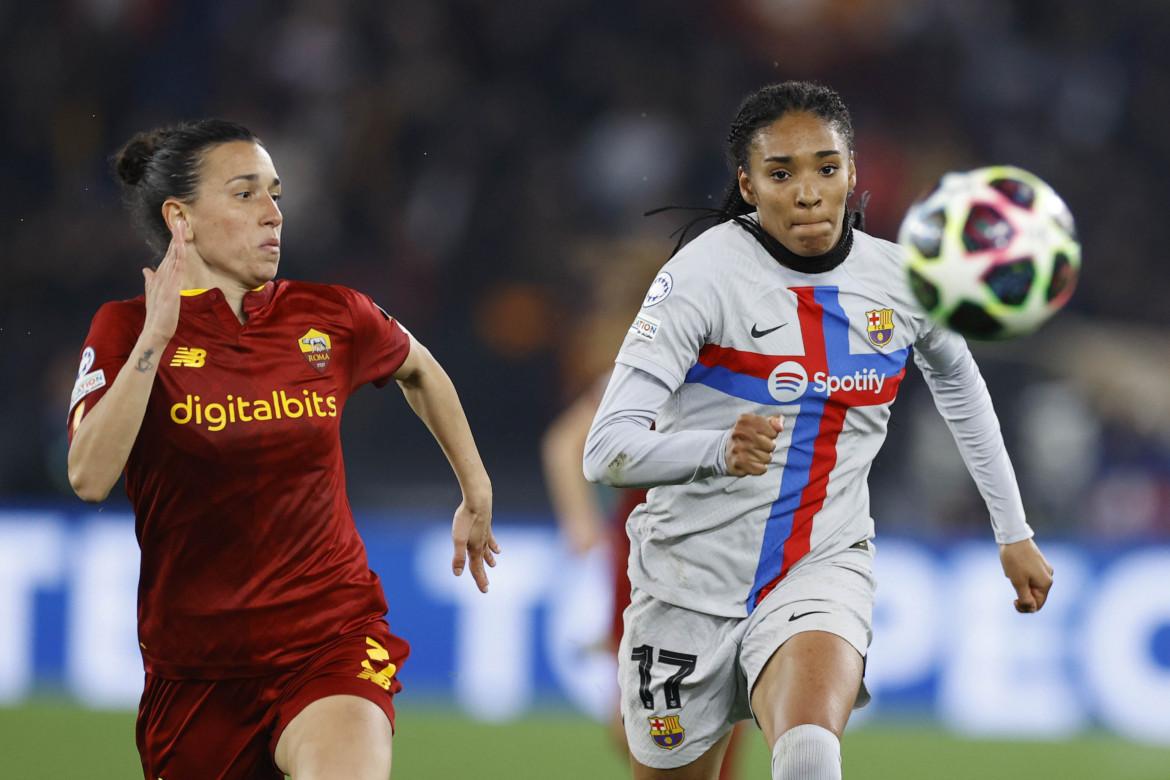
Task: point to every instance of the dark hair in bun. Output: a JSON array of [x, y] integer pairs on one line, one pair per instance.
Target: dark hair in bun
[[166, 163]]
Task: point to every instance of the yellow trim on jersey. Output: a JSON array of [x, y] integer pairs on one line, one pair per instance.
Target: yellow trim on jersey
[[200, 292]]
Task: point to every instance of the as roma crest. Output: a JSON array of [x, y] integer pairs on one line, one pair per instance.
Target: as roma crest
[[880, 324], [666, 731], [317, 349]]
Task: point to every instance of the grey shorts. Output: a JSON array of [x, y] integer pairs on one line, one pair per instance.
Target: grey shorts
[[686, 677]]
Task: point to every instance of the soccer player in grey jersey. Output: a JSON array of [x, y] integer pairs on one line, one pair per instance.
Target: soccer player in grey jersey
[[752, 393]]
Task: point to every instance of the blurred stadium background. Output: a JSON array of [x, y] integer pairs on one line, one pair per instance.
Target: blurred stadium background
[[480, 167]]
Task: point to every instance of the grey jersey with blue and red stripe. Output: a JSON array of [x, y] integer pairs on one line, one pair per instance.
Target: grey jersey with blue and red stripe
[[730, 331]]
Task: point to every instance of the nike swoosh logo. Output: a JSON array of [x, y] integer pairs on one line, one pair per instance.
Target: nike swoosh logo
[[806, 614], [757, 332]]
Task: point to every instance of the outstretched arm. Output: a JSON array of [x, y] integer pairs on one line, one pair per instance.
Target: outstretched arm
[[430, 393], [962, 398]]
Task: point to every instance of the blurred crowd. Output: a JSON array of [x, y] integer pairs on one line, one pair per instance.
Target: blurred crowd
[[481, 168]]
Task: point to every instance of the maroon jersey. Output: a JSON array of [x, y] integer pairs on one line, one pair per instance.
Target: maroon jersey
[[250, 557]]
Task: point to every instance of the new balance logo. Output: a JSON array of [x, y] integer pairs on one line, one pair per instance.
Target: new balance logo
[[384, 676], [189, 357]]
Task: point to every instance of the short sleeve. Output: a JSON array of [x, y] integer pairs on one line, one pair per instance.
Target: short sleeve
[[674, 323], [112, 335], [380, 344]]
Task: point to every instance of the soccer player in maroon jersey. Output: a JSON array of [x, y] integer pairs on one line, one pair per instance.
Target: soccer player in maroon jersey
[[219, 392]]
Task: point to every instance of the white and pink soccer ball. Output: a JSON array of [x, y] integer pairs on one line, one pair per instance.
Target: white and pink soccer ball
[[992, 253]]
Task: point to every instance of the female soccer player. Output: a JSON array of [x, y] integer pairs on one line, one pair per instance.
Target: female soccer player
[[768, 352], [219, 392]]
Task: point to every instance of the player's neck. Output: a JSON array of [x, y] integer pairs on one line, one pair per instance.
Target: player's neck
[[234, 297], [817, 264], [201, 277]]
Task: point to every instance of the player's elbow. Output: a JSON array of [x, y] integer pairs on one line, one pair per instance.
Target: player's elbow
[[87, 490], [602, 464], [591, 471], [88, 486], [95, 497]]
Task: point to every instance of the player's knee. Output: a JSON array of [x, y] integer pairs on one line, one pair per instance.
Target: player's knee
[[355, 763], [807, 752], [338, 737]]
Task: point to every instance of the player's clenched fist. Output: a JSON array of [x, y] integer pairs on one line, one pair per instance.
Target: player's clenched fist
[[753, 438]]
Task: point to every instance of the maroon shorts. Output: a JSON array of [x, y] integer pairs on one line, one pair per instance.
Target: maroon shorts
[[228, 729], [620, 549]]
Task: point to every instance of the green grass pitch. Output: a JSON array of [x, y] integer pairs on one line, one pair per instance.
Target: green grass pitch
[[49, 741]]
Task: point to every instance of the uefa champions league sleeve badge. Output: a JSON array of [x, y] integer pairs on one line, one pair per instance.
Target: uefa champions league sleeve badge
[[659, 289]]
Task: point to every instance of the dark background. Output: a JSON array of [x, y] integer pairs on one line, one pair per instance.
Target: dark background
[[480, 167]]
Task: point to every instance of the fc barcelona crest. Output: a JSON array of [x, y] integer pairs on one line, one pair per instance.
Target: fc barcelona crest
[[666, 731], [317, 349], [880, 324]]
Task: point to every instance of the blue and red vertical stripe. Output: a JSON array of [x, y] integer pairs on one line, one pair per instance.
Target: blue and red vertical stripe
[[812, 453]]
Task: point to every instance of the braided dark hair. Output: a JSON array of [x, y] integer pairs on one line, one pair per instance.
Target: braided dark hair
[[762, 108], [165, 163], [757, 111]]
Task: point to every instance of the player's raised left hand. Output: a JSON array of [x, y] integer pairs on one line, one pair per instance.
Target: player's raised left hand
[[471, 531], [1029, 572]]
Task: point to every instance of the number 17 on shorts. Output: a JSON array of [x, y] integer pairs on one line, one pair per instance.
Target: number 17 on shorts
[[682, 689], [665, 730]]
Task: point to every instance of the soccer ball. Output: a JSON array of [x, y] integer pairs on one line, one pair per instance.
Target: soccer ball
[[991, 253]]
